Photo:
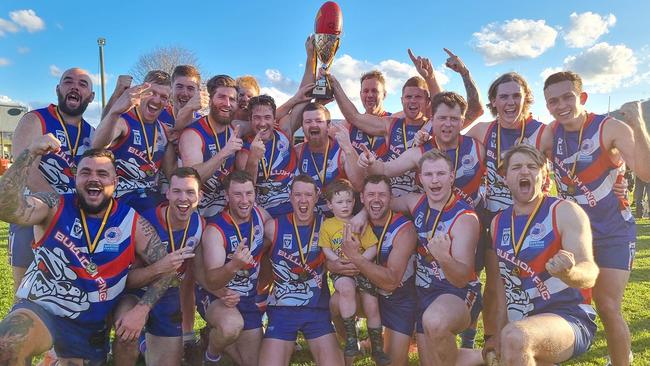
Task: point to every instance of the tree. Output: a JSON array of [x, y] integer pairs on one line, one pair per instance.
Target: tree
[[162, 58]]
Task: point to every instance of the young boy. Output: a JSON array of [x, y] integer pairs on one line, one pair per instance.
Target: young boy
[[340, 200]]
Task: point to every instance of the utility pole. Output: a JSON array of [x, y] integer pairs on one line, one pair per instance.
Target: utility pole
[[101, 42]]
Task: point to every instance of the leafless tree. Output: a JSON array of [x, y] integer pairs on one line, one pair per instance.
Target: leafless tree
[[162, 58]]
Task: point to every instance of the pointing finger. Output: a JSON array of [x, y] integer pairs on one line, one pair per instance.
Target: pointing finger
[[412, 56], [451, 54]]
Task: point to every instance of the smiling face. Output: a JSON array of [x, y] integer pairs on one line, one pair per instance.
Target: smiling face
[[262, 121], [372, 95], [95, 183], [564, 101], [223, 104], [414, 102], [183, 89], [437, 180], [152, 106], [509, 103], [183, 197], [245, 94], [240, 198], [376, 200], [74, 92]]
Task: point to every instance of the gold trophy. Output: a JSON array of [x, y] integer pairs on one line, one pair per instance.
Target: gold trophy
[[327, 28]]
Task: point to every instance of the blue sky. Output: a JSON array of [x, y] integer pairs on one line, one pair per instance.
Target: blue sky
[[607, 42]]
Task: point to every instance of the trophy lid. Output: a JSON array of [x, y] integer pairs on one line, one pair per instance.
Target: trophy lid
[[329, 19]]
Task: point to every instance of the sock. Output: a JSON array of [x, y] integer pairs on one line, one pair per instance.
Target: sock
[[212, 358], [188, 337]]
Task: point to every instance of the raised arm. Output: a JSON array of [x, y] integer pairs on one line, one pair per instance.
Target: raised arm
[[28, 130], [425, 69], [112, 126], [292, 122], [36, 208], [122, 84], [474, 107], [185, 115], [574, 263], [350, 156], [368, 123], [631, 139]]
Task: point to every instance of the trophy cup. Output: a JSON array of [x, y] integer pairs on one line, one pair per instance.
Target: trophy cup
[[327, 28]]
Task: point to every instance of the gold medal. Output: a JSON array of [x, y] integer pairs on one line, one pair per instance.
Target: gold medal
[[303, 276], [243, 273], [91, 268], [73, 170], [571, 189], [516, 271], [428, 258]]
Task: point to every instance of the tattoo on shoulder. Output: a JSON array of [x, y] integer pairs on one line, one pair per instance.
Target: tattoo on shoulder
[[51, 199]]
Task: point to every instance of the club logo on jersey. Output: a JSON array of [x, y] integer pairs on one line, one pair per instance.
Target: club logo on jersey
[[191, 242], [213, 149], [468, 162], [305, 163], [560, 149], [359, 135], [137, 139], [505, 237], [419, 220], [287, 239], [113, 235], [282, 146], [60, 135], [538, 231], [77, 230], [233, 242]]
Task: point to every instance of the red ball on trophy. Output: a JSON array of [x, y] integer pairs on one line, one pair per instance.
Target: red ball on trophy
[[329, 19], [327, 28]]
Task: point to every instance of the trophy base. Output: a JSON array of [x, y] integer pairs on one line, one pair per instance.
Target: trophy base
[[322, 92]]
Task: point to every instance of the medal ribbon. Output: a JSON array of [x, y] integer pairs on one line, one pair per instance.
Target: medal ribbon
[[267, 169], [171, 233], [146, 137], [73, 148], [517, 246], [575, 162], [435, 140], [239, 236], [521, 138], [214, 133], [324, 171], [303, 257], [92, 244], [438, 216], [381, 238]]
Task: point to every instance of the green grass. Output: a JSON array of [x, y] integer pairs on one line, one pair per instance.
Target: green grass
[[635, 307]]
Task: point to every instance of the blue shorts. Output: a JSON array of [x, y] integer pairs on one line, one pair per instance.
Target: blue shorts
[[88, 341], [399, 310], [247, 308], [20, 245], [427, 296], [616, 253], [286, 321], [584, 329], [165, 318]]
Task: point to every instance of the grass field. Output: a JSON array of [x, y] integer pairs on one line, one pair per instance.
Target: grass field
[[636, 306]]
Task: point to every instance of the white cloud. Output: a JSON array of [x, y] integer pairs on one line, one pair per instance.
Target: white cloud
[[55, 71], [93, 113], [603, 67], [586, 28], [279, 81], [4, 61], [27, 19], [23, 50], [513, 39], [7, 26]]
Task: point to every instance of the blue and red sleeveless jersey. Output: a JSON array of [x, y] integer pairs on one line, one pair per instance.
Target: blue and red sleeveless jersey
[[470, 168], [530, 289], [214, 198], [156, 216], [595, 175], [497, 194], [58, 279], [168, 118], [397, 223], [245, 281], [58, 169], [309, 163], [400, 137], [295, 284], [272, 191], [376, 144], [429, 273], [135, 170]]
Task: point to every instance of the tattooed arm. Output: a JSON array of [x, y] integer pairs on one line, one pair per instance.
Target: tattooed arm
[[32, 209], [474, 107], [149, 247]]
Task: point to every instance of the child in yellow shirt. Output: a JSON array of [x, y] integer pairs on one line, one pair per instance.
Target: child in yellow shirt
[[340, 200]]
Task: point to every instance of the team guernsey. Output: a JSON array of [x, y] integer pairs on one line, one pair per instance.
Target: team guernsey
[[530, 289], [400, 137], [298, 274], [469, 167], [69, 280], [58, 169], [274, 174], [497, 142], [323, 172], [398, 309], [590, 183], [138, 156], [214, 199], [376, 144]]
